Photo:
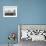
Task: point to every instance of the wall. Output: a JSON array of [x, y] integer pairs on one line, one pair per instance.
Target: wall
[[29, 12], [7, 25]]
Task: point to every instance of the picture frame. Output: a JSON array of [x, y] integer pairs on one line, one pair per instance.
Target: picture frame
[[39, 28], [9, 11]]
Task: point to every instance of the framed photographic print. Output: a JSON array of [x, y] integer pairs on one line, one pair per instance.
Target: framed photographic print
[[33, 32], [9, 11]]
